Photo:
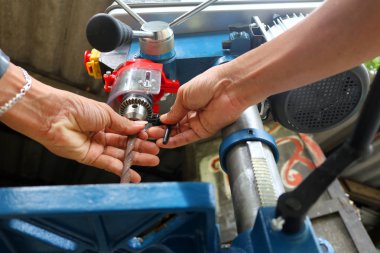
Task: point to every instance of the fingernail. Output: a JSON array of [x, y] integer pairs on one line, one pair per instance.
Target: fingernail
[[140, 123]]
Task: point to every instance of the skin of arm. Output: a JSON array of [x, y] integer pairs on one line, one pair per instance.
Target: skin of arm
[[74, 127], [337, 36]]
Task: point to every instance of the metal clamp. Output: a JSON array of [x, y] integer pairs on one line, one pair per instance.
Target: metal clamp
[[244, 135]]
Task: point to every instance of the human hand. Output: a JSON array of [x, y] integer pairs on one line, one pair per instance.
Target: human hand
[[203, 106], [91, 133], [76, 127]]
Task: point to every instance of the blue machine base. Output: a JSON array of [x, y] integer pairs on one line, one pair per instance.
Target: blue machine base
[[164, 217], [262, 238], [159, 218]]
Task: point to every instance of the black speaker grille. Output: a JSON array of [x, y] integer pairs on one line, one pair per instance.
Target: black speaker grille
[[325, 103]]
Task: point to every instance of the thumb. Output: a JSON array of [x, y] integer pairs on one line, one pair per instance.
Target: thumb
[[122, 125], [177, 111]]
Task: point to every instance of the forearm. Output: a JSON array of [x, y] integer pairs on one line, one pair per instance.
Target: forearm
[[339, 35], [31, 114], [72, 126]]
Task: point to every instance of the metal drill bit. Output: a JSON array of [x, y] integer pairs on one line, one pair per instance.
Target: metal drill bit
[[128, 158]]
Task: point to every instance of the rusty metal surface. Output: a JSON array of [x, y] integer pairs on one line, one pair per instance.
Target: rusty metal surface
[[48, 37]]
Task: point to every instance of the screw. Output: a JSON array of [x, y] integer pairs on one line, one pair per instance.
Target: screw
[[277, 223]]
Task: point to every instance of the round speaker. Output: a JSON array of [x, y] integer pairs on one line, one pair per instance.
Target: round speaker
[[322, 105]]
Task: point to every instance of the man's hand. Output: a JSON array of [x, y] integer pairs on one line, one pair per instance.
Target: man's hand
[[203, 106]]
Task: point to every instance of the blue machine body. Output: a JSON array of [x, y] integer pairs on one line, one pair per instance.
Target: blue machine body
[[164, 217], [160, 218], [262, 238]]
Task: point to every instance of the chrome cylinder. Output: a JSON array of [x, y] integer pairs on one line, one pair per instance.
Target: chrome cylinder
[[136, 112], [162, 43]]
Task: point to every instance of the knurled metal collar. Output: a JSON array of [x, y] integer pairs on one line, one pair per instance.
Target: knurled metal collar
[[136, 100]]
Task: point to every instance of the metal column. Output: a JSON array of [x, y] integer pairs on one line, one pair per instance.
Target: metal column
[[252, 172]]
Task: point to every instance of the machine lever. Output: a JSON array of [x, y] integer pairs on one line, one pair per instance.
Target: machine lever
[[190, 13], [175, 22], [293, 206], [106, 33], [131, 12]]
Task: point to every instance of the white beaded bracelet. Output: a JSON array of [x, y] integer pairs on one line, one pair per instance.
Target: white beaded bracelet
[[8, 105]]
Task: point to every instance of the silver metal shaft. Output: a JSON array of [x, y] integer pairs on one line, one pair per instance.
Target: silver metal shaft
[[252, 172], [131, 12], [190, 13], [142, 34]]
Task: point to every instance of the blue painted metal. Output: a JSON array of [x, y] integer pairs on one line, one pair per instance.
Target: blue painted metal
[[164, 217], [262, 238], [147, 218], [223, 59], [326, 246], [240, 43], [244, 135], [188, 45], [159, 218], [158, 58]]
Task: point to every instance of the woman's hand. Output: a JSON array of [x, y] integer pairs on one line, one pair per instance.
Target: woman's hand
[[92, 133], [73, 126]]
